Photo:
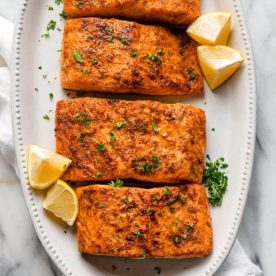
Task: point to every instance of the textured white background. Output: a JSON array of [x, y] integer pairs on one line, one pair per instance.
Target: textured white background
[[20, 250]]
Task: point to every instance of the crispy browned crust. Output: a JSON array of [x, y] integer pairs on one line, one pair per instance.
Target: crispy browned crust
[[108, 66], [178, 142], [169, 11], [133, 222]]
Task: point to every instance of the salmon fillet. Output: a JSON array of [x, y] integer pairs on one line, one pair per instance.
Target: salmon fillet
[[143, 140], [169, 11], [167, 222], [111, 55]]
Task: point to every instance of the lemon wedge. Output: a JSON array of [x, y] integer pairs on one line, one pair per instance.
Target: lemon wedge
[[62, 201], [211, 29], [218, 63], [45, 167]]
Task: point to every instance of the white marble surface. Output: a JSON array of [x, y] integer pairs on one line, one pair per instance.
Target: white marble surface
[[20, 250]]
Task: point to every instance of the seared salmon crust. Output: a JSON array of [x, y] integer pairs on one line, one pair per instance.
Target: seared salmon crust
[[169, 222], [111, 55], [169, 11], [143, 140]]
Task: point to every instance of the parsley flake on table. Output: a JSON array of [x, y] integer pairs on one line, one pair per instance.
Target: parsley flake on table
[[215, 180], [51, 96], [46, 117]]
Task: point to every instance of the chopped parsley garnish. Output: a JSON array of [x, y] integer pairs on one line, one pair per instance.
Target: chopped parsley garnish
[[63, 14], [109, 29], [81, 136], [58, 2], [189, 228], [155, 161], [133, 53], [137, 233], [155, 127], [50, 8], [161, 52], [119, 125], [153, 58], [98, 174], [110, 39], [36, 89], [46, 117], [83, 118], [123, 40], [94, 61], [215, 180], [176, 239], [153, 198], [148, 210], [50, 26], [158, 269], [51, 96], [171, 201], [146, 168], [44, 76], [78, 56], [77, 4], [116, 183], [40, 67], [171, 209], [59, 29], [89, 37], [125, 200], [191, 74], [143, 254], [112, 138], [84, 70], [168, 191], [101, 205], [213, 129], [182, 199], [101, 147]]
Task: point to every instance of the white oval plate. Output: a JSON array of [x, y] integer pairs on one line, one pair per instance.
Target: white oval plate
[[230, 110]]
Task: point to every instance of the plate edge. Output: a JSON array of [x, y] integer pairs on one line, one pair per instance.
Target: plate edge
[[20, 151]]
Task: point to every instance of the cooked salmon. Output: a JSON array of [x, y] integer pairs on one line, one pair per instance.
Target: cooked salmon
[[167, 222], [169, 11], [111, 55], [144, 140]]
